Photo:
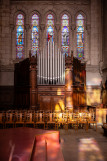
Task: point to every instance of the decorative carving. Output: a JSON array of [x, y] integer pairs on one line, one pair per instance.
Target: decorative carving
[[69, 60], [33, 59]]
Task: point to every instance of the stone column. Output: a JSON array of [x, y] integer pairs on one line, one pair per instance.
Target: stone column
[[33, 82], [42, 42], [69, 82], [74, 40], [12, 28], [95, 31], [27, 38], [104, 56], [58, 35], [87, 44], [5, 33]]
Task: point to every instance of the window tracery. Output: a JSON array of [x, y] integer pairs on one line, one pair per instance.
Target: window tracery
[[20, 36]]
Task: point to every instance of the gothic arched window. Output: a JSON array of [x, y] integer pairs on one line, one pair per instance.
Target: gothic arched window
[[50, 27], [20, 36], [35, 34], [65, 33], [80, 36]]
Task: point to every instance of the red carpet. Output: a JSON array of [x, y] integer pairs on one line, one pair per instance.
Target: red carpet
[[16, 144], [48, 147]]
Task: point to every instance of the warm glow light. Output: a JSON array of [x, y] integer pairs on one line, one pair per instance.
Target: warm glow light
[[59, 92], [101, 115], [60, 106], [57, 108], [69, 102], [80, 114], [93, 96]]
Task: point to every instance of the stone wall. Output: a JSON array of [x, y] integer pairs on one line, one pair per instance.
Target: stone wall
[[91, 10], [104, 59]]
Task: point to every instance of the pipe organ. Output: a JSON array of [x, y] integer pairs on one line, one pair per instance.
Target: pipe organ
[[50, 81], [51, 66]]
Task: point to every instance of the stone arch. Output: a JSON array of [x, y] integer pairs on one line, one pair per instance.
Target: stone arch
[[83, 14], [69, 15], [31, 14], [50, 12], [15, 15]]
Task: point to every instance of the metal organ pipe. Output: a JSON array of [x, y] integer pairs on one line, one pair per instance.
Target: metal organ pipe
[[51, 65], [46, 64], [51, 61], [48, 61], [60, 66], [62, 69], [43, 67], [56, 64]]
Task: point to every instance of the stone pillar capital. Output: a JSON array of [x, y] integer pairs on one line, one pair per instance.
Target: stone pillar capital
[[73, 27], [42, 27], [57, 27], [27, 27]]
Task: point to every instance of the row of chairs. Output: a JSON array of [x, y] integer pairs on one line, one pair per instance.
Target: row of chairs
[[45, 119], [25, 118]]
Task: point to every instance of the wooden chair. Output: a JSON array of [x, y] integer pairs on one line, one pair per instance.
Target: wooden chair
[[65, 119], [10, 118], [39, 119], [29, 118], [75, 121], [83, 121], [92, 121], [2, 118], [20, 118], [71, 121], [51, 120], [60, 120]]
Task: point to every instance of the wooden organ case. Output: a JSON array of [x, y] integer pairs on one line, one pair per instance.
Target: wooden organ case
[[69, 96]]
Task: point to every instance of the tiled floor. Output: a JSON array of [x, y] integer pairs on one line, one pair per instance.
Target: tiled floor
[[70, 145]]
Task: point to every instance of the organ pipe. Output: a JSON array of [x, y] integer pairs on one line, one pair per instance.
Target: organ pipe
[[51, 65]]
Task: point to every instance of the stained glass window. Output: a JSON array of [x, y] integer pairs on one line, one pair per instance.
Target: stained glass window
[[65, 33], [35, 34], [80, 36], [50, 27], [20, 36]]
